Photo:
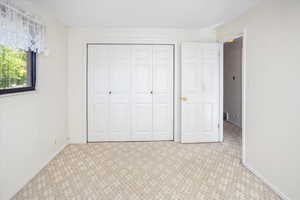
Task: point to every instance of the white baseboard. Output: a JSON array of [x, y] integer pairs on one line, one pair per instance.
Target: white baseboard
[[54, 155], [273, 187]]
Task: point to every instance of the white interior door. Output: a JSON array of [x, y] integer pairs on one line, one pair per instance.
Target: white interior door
[[200, 92], [163, 92], [120, 92], [98, 93], [142, 98]]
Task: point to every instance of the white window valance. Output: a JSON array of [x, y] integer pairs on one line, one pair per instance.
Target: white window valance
[[19, 29]]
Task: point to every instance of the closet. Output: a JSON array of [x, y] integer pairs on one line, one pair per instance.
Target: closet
[[130, 92]]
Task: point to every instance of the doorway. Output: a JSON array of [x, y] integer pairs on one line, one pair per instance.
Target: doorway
[[233, 90]]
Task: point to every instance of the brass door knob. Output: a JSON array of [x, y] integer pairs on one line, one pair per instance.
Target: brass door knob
[[184, 98]]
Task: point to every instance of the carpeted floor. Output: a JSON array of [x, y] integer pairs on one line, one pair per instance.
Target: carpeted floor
[[149, 171]]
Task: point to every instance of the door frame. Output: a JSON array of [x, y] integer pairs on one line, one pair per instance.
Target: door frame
[[231, 37], [175, 82]]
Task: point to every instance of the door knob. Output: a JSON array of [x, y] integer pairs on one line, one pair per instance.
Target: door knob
[[184, 98], [151, 92], [109, 92]]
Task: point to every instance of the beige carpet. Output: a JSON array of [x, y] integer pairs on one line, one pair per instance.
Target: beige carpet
[[149, 170]]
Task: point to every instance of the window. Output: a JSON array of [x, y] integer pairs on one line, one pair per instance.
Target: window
[[17, 70]]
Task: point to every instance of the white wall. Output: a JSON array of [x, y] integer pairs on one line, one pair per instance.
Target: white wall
[[30, 123], [233, 88], [79, 37], [272, 130]]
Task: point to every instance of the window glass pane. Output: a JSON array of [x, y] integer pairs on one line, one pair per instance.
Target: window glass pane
[[14, 68]]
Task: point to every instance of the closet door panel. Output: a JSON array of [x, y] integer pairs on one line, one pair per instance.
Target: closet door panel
[[163, 92], [98, 101], [120, 89], [142, 102]]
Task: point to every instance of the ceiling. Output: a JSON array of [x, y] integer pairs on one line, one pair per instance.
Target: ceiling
[[146, 13]]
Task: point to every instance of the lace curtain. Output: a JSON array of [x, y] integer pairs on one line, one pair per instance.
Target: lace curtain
[[19, 30]]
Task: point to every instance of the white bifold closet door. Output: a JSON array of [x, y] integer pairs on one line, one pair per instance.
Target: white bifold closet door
[[130, 92], [200, 92]]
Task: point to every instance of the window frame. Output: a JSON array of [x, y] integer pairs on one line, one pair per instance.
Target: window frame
[[32, 87]]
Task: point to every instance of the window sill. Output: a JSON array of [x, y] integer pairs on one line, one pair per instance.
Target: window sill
[[30, 92]]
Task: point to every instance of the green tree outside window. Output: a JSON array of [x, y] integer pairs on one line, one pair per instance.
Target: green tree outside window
[[13, 68]]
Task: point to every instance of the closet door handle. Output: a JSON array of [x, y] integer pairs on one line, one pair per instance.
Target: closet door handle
[[151, 92], [109, 92]]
